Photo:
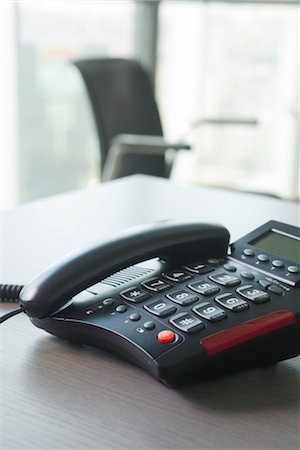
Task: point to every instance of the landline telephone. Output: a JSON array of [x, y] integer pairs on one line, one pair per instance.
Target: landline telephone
[[176, 299]]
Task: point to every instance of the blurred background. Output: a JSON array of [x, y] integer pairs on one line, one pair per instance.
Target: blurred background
[[205, 59]]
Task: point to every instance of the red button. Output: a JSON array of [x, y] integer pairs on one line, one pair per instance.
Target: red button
[[166, 336]]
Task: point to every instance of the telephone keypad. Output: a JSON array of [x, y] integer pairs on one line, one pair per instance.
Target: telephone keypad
[[187, 322], [199, 305]]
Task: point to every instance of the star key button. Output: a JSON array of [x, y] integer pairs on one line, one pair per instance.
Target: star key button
[[135, 295]]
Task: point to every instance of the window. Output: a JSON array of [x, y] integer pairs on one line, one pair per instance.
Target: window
[[57, 146], [233, 60]]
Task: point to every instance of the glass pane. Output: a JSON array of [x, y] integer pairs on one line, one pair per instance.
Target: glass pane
[[57, 144], [233, 61]]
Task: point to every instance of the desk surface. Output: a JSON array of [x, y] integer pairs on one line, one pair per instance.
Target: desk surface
[[57, 395]]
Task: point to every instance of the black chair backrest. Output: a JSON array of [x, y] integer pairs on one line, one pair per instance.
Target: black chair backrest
[[122, 99]]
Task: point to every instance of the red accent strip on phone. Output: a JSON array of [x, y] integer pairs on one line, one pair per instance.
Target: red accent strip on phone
[[246, 331]]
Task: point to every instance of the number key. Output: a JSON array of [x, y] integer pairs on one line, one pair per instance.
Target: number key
[[161, 308], [255, 295], [204, 288], [210, 312], [225, 279], [231, 302], [182, 297]]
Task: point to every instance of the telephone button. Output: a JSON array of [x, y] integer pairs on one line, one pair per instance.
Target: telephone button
[[231, 302], [108, 302], [178, 276], [157, 285], [264, 283], [134, 317], [161, 308], [247, 275], [263, 258], [149, 325], [121, 308], [187, 322], [166, 337], [255, 295], [229, 267], [210, 312], [199, 268], [204, 288], [293, 269], [248, 252], [214, 261], [135, 295], [277, 263], [225, 279], [182, 297], [275, 289]]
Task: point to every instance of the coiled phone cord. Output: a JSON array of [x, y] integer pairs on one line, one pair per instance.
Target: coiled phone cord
[[10, 293]]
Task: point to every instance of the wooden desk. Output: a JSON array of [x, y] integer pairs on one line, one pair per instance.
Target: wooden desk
[[58, 395]]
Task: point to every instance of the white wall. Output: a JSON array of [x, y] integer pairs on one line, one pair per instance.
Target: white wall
[[8, 123]]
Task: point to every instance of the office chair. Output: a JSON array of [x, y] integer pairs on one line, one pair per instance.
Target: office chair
[[127, 118]]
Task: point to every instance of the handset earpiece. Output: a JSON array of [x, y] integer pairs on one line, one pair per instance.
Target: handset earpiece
[[174, 240]]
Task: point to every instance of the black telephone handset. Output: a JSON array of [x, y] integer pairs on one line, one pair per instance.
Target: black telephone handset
[[176, 241], [169, 298]]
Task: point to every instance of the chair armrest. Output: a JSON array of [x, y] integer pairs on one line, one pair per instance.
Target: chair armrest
[[130, 154], [248, 121], [148, 142]]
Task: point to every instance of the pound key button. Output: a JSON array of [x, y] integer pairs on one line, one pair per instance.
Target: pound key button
[[166, 337]]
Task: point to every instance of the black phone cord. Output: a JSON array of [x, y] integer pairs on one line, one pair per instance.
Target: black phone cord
[[10, 314]]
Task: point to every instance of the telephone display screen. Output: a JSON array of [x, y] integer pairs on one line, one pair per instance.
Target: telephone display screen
[[279, 244]]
